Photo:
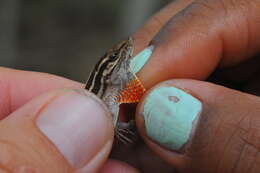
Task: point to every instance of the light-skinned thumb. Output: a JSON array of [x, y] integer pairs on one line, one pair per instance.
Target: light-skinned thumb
[[61, 131]]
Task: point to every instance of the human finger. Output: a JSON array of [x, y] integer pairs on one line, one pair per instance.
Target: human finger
[[201, 127], [201, 37], [145, 34], [114, 166], [56, 132], [17, 87]]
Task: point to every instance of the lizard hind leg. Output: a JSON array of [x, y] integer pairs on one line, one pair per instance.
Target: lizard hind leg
[[124, 132]]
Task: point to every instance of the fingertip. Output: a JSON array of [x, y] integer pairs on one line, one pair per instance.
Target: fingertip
[[167, 119], [172, 157], [78, 114], [70, 128], [114, 166], [97, 162], [222, 119]]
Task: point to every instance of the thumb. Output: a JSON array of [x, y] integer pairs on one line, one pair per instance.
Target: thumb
[[201, 127], [61, 131]]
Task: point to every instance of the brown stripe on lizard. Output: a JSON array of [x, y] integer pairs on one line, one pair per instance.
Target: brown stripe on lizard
[[113, 81]]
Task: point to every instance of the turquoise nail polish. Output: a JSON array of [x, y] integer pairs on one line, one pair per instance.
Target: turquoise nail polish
[[170, 115], [140, 59]]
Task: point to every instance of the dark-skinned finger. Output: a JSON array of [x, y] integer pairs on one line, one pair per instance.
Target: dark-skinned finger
[[201, 37], [201, 127], [145, 34]]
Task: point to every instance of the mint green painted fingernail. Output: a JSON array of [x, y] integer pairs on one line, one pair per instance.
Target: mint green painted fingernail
[[170, 116], [140, 59]]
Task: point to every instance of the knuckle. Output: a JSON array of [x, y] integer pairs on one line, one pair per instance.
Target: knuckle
[[225, 19], [8, 156], [225, 7], [239, 7], [205, 8], [250, 145], [205, 5], [18, 159], [236, 133], [252, 137]]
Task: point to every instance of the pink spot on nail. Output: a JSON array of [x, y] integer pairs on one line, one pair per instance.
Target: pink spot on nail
[[174, 99]]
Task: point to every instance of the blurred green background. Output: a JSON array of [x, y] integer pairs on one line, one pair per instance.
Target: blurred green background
[[66, 37]]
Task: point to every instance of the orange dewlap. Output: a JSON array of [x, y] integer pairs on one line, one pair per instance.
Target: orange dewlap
[[132, 93]]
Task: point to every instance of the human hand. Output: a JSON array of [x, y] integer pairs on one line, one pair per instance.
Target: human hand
[[192, 45], [193, 39], [63, 130]]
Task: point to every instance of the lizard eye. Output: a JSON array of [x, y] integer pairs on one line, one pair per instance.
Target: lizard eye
[[114, 55]]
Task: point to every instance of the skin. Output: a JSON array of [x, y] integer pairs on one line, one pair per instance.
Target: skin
[[202, 37], [17, 154], [192, 39]]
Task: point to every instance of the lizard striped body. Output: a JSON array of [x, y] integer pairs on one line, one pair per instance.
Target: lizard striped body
[[98, 80], [113, 81]]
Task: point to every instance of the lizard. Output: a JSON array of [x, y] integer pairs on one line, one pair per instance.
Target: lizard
[[113, 81]]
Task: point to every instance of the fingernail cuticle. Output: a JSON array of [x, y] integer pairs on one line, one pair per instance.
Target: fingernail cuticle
[[170, 115]]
